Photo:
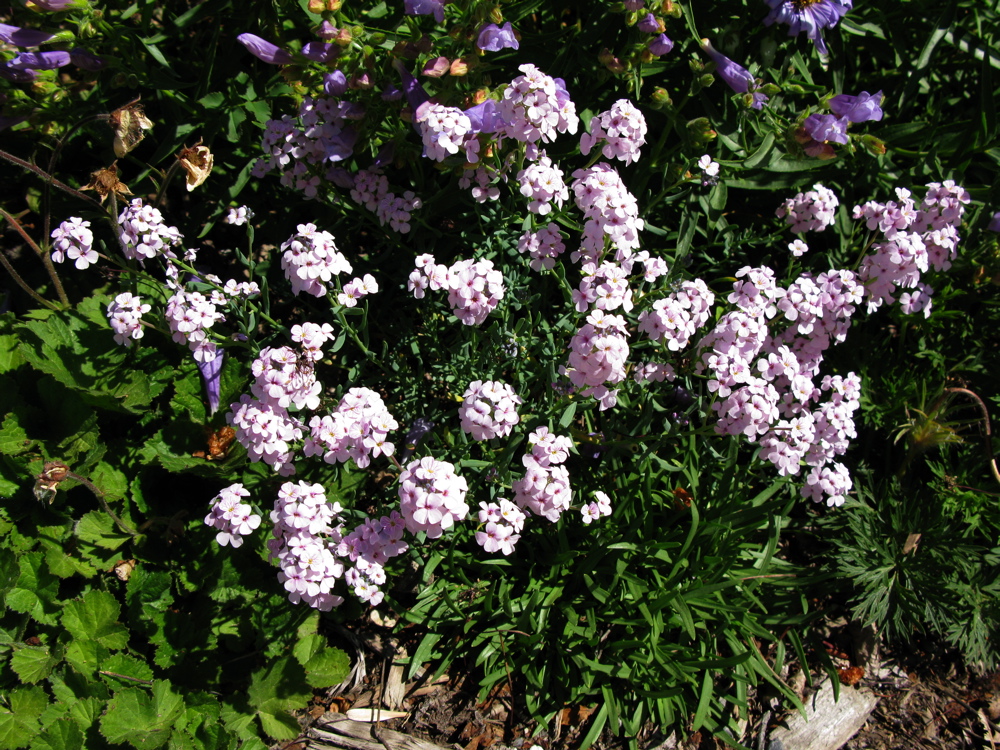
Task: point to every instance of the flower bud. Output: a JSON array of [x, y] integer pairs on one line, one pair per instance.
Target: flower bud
[[459, 67], [706, 80], [661, 98], [672, 9], [610, 62], [873, 145], [794, 88], [700, 130], [437, 67], [770, 89], [496, 16], [697, 66], [343, 38]]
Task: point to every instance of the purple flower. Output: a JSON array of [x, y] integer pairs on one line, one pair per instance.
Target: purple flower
[[17, 76], [263, 50], [493, 38], [39, 61], [23, 37], [660, 45], [319, 52], [327, 31], [994, 225], [649, 24], [736, 76], [810, 16], [57, 5], [211, 376], [485, 118], [86, 60], [335, 83], [860, 108], [425, 8], [826, 128]]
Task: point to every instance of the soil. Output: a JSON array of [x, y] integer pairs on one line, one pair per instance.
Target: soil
[[928, 700]]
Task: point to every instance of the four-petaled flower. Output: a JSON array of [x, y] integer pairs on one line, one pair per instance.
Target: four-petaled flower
[[810, 16]]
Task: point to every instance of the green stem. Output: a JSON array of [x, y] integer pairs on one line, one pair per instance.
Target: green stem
[[42, 254]]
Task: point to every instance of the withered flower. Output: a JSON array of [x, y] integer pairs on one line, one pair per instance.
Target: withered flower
[[46, 483], [197, 162], [130, 125], [105, 182]]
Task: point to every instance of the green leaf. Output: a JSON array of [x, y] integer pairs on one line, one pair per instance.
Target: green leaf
[[126, 666], [97, 528], [19, 725], [761, 153], [63, 734], [32, 663], [274, 692], [143, 721], [13, 438], [85, 655], [96, 617], [327, 668]]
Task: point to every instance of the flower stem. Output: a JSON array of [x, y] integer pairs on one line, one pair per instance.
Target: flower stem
[[46, 261]]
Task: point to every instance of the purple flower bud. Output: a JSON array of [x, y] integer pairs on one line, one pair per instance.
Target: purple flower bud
[[86, 60], [392, 93], [994, 225], [493, 38], [320, 52], [57, 5], [425, 8], [335, 83], [17, 76], [263, 50], [415, 94], [485, 117], [39, 60], [23, 37], [649, 24], [211, 376], [736, 76], [826, 128], [860, 108], [437, 67], [385, 156], [635, 4], [660, 45], [327, 31]]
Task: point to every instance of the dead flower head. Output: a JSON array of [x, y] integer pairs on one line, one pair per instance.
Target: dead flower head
[[105, 182], [197, 162]]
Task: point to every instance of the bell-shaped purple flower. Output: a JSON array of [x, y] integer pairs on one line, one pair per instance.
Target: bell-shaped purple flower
[[485, 117], [320, 52], [39, 60], [994, 225], [211, 377], [81, 58], [649, 24], [415, 94], [810, 16], [660, 45], [736, 76], [15, 75], [826, 128], [23, 37], [263, 50], [493, 38], [425, 8], [860, 108], [335, 83], [57, 5]]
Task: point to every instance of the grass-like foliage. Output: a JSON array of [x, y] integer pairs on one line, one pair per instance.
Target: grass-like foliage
[[554, 330]]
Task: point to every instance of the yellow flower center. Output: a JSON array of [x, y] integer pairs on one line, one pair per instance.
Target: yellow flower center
[[803, 4]]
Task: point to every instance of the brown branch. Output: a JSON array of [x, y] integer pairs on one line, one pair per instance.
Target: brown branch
[[21, 283], [988, 441], [45, 257], [50, 179]]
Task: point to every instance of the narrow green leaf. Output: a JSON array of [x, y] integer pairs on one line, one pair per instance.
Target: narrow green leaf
[[758, 156]]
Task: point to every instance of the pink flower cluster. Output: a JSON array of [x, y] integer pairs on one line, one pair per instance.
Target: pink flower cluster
[[676, 317], [606, 288], [544, 246], [812, 211], [369, 547], [597, 356], [190, 315], [480, 181], [370, 189], [143, 233], [895, 263], [356, 430], [596, 509], [544, 489], [489, 409], [611, 212], [305, 542], [267, 431], [502, 522], [231, 516], [284, 379], [125, 316], [431, 497], [535, 107], [357, 289], [73, 239], [475, 288], [622, 130], [303, 151], [542, 182], [310, 260], [444, 131]]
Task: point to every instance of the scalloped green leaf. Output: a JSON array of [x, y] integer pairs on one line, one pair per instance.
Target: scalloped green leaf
[[95, 616], [32, 663], [97, 528], [19, 724], [126, 666], [144, 721], [85, 655], [63, 734]]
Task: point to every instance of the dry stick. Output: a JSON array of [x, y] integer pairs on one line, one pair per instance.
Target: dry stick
[[46, 259], [50, 179], [21, 283], [988, 442]]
